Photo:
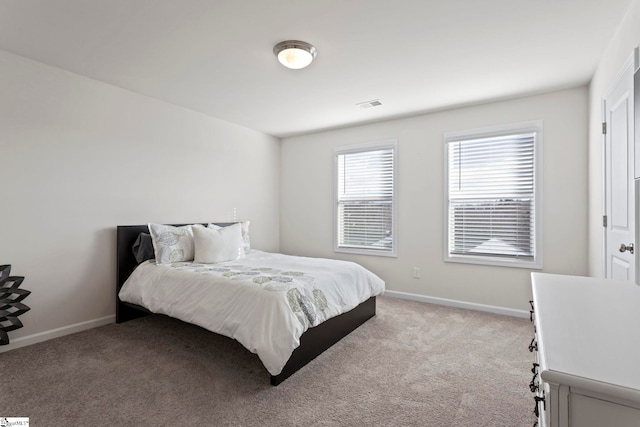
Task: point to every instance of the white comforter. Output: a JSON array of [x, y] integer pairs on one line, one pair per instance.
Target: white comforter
[[265, 301]]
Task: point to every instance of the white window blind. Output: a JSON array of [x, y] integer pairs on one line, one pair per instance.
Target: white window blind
[[365, 199], [492, 198]]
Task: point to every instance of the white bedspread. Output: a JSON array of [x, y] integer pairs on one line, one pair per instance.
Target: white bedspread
[[265, 301]]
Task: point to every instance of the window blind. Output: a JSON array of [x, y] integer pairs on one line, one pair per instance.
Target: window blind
[[365, 199], [492, 196]]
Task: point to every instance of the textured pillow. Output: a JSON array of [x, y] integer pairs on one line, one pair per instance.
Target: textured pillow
[[143, 248], [246, 242], [218, 245], [172, 244]]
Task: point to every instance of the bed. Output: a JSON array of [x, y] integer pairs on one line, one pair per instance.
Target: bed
[[316, 337]]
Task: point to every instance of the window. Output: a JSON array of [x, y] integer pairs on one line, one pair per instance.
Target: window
[[493, 196], [365, 207]]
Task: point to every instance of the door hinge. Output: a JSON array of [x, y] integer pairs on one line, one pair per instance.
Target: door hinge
[[604, 220], [604, 128]]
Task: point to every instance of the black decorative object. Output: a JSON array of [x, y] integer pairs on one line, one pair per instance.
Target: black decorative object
[[10, 305]]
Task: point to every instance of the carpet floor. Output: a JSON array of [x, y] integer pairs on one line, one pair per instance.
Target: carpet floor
[[414, 364]]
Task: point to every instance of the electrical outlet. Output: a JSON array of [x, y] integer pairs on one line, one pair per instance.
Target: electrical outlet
[[416, 272]]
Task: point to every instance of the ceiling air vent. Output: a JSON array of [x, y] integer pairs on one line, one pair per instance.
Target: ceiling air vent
[[369, 104]]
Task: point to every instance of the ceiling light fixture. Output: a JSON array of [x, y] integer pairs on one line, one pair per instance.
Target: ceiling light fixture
[[295, 54]]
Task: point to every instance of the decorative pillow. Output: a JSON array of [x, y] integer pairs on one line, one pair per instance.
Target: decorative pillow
[[218, 245], [246, 241], [143, 248], [172, 244]]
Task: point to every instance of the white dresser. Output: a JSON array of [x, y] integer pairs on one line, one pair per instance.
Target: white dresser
[[587, 351]]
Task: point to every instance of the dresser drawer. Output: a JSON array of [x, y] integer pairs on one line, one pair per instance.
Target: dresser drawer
[[587, 411]]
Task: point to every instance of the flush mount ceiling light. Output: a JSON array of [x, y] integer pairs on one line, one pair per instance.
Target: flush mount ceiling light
[[294, 54]]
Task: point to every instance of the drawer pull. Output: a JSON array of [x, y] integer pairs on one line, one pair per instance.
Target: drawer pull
[[533, 345], [532, 310], [532, 385], [538, 399]]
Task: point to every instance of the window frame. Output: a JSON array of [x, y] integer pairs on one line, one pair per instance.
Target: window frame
[[359, 148], [536, 127]]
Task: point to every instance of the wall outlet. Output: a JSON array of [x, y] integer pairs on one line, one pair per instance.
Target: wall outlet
[[416, 272]]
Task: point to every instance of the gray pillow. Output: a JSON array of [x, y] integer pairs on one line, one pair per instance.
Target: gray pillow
[[143, 248]]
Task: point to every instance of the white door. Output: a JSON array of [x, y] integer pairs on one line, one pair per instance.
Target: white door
[[619, 177]]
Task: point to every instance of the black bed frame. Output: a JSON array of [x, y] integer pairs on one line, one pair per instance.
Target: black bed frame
[[312, 343]]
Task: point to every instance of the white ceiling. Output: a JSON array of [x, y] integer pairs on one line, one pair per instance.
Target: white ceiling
[[215, 56]]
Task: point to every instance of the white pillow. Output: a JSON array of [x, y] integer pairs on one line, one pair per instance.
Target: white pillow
[[218, 245], [172, 244], [246, 242]]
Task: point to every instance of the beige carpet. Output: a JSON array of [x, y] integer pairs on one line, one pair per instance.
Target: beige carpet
[[414, 364]]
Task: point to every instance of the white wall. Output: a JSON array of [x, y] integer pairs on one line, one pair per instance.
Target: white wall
[[306, 208], [78, 157], [620, 48]]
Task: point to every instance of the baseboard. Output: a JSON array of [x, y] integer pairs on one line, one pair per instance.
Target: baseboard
[[459, 304], [55, 333]]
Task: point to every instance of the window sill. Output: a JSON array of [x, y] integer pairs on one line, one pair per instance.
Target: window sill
[[373, 252], [494, 262]]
